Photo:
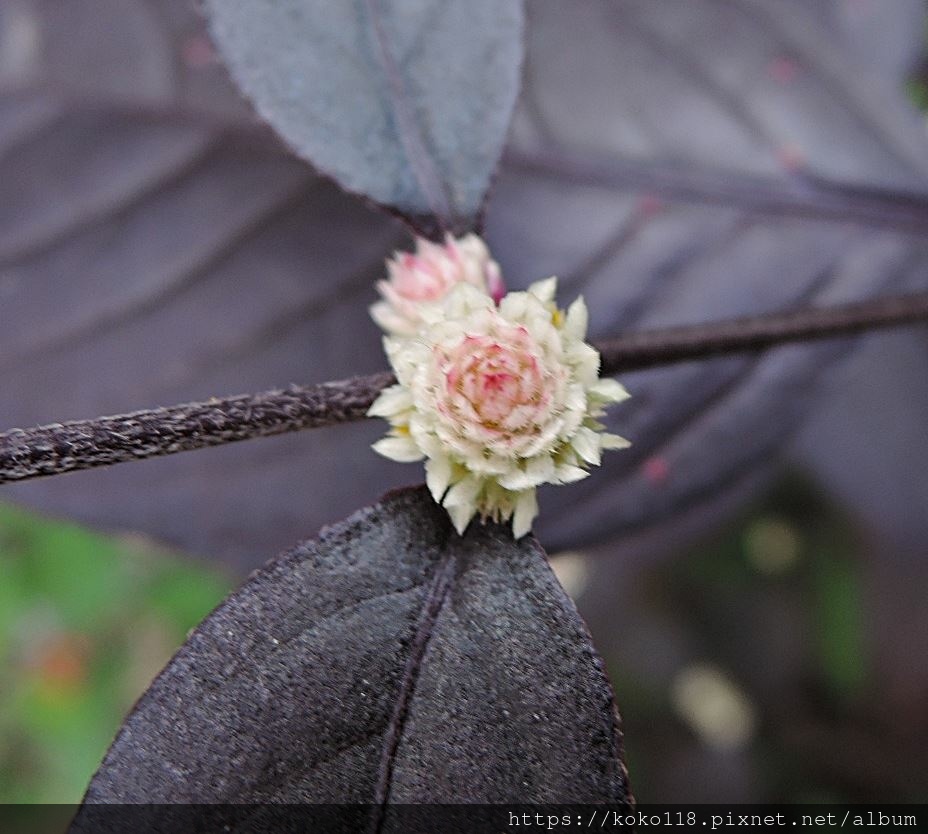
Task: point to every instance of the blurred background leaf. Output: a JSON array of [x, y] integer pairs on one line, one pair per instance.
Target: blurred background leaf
[[752, 665], [689, 161]]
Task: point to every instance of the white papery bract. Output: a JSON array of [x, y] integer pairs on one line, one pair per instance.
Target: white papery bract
[[427, 276], [497, 400]]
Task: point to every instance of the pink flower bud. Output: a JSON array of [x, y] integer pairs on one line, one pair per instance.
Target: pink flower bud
[[428, 275]]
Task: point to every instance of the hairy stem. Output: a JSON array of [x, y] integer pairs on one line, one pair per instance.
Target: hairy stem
[[49, 450], [84, 444], [647, 348]]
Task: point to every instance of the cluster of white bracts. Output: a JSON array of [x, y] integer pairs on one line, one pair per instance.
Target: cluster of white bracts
[[496, 399]]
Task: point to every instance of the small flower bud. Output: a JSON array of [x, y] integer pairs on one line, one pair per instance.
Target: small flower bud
[[427, 276]]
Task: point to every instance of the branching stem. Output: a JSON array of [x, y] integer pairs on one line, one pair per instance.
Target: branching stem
[[85, 444]]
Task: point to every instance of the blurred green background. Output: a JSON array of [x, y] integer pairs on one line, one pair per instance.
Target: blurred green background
[[777, 661], [86, 621]]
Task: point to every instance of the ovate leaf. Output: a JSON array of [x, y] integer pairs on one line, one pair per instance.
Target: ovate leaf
[[404, 101], [389, 661]]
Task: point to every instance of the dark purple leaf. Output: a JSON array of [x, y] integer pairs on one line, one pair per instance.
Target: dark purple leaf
[[867, 444], [893, 43], [675, 162], [692, 161], [149, 57], [867, 440], [404, 101], [389, 661]]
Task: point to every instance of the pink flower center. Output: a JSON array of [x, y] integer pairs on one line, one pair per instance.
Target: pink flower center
[[494, 382]]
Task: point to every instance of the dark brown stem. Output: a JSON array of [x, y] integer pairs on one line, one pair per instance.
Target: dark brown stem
[[84, 444], [636, 351], [49, 450]]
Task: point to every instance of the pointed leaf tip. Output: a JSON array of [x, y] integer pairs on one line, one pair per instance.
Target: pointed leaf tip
[[407, 103]]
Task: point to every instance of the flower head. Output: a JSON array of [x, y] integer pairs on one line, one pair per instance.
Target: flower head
[[498, 400], [427, 276]]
